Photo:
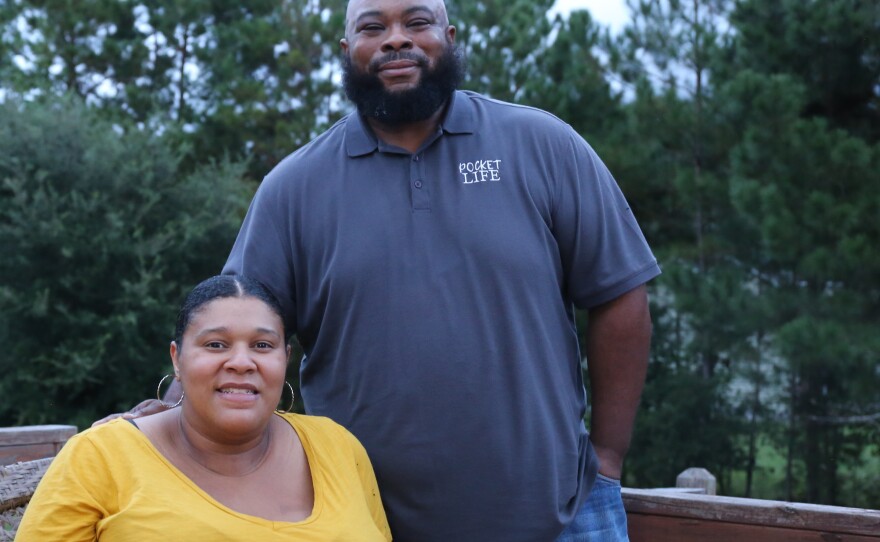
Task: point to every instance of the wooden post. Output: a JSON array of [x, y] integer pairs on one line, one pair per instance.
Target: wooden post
[[697, 477]]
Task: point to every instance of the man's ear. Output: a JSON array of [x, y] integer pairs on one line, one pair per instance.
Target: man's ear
[[450, 33], [343, 44]]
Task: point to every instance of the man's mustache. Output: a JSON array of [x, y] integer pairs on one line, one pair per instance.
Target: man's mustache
[[421, 60]]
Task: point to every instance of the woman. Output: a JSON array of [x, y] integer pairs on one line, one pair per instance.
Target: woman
[[222, 466]]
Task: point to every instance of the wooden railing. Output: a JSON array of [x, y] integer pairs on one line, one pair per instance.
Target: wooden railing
[[691, 512], [658, 515], [25, 454], [32, 442], [688, 513]]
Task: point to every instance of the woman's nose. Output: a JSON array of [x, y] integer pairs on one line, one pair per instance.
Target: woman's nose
[[240, 359]]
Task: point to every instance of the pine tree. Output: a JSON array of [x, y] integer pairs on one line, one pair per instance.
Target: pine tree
[[502, 40], [226, 78], [102, 235], [679, 172]]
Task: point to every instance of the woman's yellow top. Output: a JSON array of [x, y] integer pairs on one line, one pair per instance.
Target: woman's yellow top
[[110, 484]]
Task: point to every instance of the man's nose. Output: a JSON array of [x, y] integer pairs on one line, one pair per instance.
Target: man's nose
[[397, 40]]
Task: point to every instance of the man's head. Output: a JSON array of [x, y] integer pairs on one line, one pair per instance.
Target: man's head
[[399, 58]]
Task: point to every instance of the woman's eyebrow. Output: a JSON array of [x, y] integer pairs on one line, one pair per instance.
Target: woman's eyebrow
[[211, 330], [223, 329], [268, 331]]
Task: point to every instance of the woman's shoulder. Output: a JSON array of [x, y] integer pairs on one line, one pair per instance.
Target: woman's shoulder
[[319, 428], [101, 445], [113, 431], [312, 423], [96, 452]]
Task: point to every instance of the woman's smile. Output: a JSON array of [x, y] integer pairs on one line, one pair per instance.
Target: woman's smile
[[239, 394]]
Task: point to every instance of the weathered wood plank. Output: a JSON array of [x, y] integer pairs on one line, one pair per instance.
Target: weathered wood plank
[[35, 434], [30, 452], [32, 442], [694, 490], [19, 481], [650, 528], [757, 512]]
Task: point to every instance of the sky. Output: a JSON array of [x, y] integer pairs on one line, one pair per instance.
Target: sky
[[611, 13]]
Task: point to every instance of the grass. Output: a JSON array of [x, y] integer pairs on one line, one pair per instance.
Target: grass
[[857, 484], [768, 478]]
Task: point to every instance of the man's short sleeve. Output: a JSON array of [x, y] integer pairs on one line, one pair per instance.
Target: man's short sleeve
[[604, 253], [262, 250]]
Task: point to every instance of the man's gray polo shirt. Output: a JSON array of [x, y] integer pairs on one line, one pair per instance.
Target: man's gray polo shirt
[[433, 294]]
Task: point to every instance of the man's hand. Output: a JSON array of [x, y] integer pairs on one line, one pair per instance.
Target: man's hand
[[144, 408], [149, 406], [610, 461]]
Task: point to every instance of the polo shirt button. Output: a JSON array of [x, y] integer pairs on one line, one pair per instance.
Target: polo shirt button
[[418, 184], [416, 158]]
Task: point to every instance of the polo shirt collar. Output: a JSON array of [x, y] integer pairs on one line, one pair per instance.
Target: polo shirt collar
[[460, 116], [360, 140]]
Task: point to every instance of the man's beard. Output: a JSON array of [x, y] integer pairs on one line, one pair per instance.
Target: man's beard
[[435, 86]]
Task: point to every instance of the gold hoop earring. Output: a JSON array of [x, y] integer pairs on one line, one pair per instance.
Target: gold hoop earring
[[292, 398], [159, 395]]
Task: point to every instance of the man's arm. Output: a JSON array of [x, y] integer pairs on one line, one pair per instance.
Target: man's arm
[[618, 343]]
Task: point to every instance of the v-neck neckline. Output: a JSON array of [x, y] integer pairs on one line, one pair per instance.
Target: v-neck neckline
[[317, 488]]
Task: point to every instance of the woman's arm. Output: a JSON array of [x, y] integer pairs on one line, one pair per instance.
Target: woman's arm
[[71, 498]]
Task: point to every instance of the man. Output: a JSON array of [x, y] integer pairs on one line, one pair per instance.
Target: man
[[429, 251]]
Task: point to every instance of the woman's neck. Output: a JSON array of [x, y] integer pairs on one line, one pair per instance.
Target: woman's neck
[[232, 458]]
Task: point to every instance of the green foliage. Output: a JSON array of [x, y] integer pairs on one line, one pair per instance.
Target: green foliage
[[830, 47], [515, 53], [71, 47], [569, 81], [806, 196], [227, 78], [684, 421], [101, 237], [766, 208], [502, 40]]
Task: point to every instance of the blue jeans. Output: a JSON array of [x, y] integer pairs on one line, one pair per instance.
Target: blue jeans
[[602, 518]]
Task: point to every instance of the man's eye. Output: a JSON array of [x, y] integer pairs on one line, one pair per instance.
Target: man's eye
[[262, 345], [372, 28], [214, 344], [419, 22]]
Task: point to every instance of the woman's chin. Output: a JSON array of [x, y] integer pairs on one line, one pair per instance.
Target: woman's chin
[[238, 418]]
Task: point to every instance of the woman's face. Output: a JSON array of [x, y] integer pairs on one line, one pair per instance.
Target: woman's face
[[231, 364]]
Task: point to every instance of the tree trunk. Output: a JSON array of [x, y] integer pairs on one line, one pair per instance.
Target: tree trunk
[[789, 459], [181, 84], [753, 423]]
